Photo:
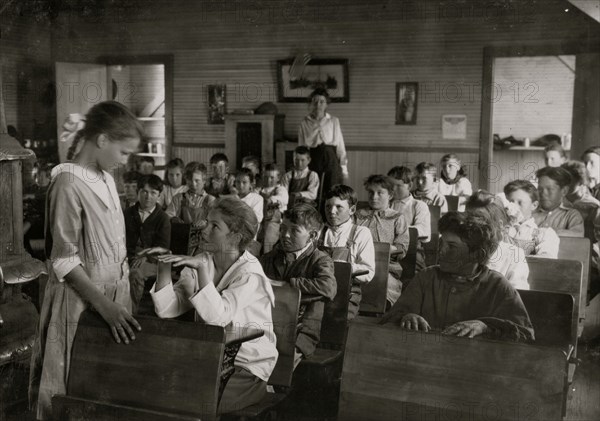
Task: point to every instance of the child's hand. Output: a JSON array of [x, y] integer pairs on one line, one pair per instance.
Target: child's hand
[[154, 251], [119, 320], [138, 262], [194, 262], [413, 321], [470, 328]]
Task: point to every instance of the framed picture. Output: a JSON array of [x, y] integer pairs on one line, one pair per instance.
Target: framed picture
[[217, 105], [296, 84], [407, 98]]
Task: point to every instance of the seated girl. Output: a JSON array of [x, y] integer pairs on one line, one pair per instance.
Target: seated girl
[[553, 186], [541, 242], [453, 180], [461, 296], [386, 225], [227, 286], [508, 258]]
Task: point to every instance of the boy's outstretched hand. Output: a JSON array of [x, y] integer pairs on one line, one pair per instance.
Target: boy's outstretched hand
[[154, 251]]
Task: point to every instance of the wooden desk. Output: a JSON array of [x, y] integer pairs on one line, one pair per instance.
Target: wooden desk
[[394, 374], [172, 367]]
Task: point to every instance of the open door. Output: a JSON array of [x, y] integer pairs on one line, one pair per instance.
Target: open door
[[79, 86]]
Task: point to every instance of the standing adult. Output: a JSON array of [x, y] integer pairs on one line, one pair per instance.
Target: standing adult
[[321, 133]]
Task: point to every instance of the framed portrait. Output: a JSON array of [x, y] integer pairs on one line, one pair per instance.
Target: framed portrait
[[217, 105], [295, 83], [407, 99]]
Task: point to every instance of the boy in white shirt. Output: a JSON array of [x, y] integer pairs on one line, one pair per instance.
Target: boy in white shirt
[[348, 242], [301, 182], [275, 203], [541, 242]]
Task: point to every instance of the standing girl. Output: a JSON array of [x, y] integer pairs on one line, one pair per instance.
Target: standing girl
[[174, 182], [85, 247], [454, 181]]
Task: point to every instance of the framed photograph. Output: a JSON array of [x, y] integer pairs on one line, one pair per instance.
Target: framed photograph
[[217, 106], [296, 84], [407, 98]]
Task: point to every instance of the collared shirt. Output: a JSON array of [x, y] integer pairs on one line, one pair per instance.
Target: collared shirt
[[432, 198], [509, 260], [168, 193], [327, 130], [541, 242], [311, 191], [144, 214], [277, 194], [388, 226], [362, 251], [417, 215], [565, 221], [256, 202], [242, 297], [198, 205]]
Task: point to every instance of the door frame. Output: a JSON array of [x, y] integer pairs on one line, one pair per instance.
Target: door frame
[[490, 53], [168, 61]]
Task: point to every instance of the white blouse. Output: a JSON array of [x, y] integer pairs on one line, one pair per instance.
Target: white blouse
[[313, 132], [243, 297]]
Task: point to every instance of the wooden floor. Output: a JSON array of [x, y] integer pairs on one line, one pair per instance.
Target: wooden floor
[[583, 403]]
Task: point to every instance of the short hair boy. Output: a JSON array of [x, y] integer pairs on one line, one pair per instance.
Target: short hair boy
[[347, 241], [146, 226], [426, 186], [302, 183], [296, 260]]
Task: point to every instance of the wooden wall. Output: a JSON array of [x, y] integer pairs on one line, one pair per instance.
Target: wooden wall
[[438, 44]]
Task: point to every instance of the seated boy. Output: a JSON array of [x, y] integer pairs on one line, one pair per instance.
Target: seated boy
[[221, 182], [130, 187], [347, 242], [146, 226], [541, 242], [553, 185], [554, 155], [275, 203], [461, 296], [302, 183], [297, 261], [580, 197], [191, 207], [426, 187], [386, 225], [146, 165], [253, 164], [416, 212]]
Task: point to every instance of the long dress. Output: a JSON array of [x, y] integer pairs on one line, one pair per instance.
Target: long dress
[[327, 149], [85, 226]]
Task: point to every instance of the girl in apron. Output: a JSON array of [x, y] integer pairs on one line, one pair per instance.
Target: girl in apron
[[85, 247]]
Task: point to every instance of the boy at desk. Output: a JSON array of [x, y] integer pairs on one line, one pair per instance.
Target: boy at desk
[[296, 260], [461, 296]]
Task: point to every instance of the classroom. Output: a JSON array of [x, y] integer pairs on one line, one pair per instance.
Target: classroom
[[300, 210]]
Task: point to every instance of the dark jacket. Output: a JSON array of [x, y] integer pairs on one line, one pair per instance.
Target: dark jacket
[[313, 274], [155, 231]]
